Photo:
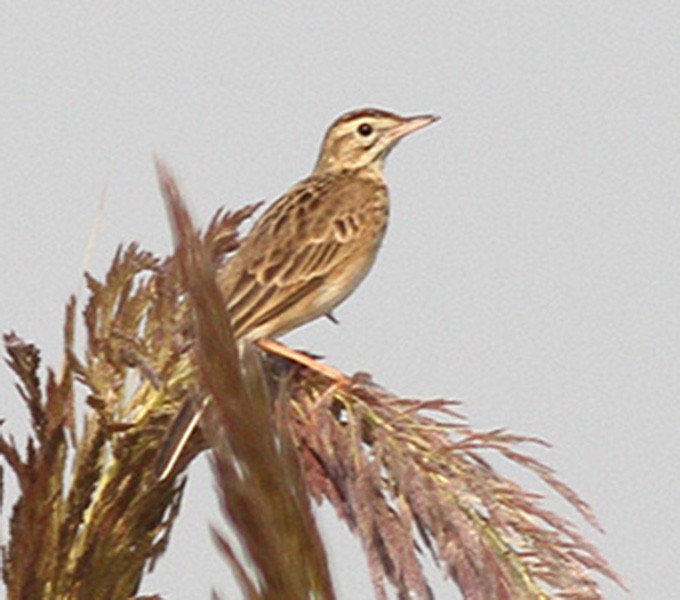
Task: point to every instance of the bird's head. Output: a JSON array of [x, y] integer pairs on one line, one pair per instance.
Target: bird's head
[[363, 138]]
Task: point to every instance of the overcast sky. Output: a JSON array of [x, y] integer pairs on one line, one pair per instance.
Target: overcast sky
[[531, 265]]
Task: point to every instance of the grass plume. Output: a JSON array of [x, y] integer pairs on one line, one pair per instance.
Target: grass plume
[[408, 477]]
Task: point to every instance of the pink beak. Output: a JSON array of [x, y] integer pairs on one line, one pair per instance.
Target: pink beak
[[410, 125]]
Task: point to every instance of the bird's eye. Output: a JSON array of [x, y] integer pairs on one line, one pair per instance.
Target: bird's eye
[[365, 129]]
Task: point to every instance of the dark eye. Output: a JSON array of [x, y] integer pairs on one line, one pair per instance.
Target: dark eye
[[365, 129]]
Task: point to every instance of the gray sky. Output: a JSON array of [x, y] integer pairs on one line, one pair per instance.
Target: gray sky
[[531, 266]]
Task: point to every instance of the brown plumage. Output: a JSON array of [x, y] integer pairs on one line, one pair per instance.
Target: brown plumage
[[306, 255], [314, 245]]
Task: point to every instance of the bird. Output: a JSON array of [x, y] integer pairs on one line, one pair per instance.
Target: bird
[[312, 247]]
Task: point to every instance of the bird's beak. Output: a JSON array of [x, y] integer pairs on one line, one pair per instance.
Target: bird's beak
[[410, 125]]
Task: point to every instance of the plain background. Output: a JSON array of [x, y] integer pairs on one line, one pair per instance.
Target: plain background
[[531, 267]]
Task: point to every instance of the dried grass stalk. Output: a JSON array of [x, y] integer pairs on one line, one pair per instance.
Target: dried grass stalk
[[261, 491], [408, 477]]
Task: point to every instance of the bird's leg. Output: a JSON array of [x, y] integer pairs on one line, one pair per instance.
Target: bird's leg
[[274, 347], [332, 318]]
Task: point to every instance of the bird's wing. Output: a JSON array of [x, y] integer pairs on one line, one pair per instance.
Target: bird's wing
[[314, 236]]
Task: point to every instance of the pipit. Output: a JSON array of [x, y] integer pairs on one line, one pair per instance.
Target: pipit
[[313, 246]]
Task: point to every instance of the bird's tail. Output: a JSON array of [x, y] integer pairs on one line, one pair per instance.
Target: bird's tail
[[177, 436]]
